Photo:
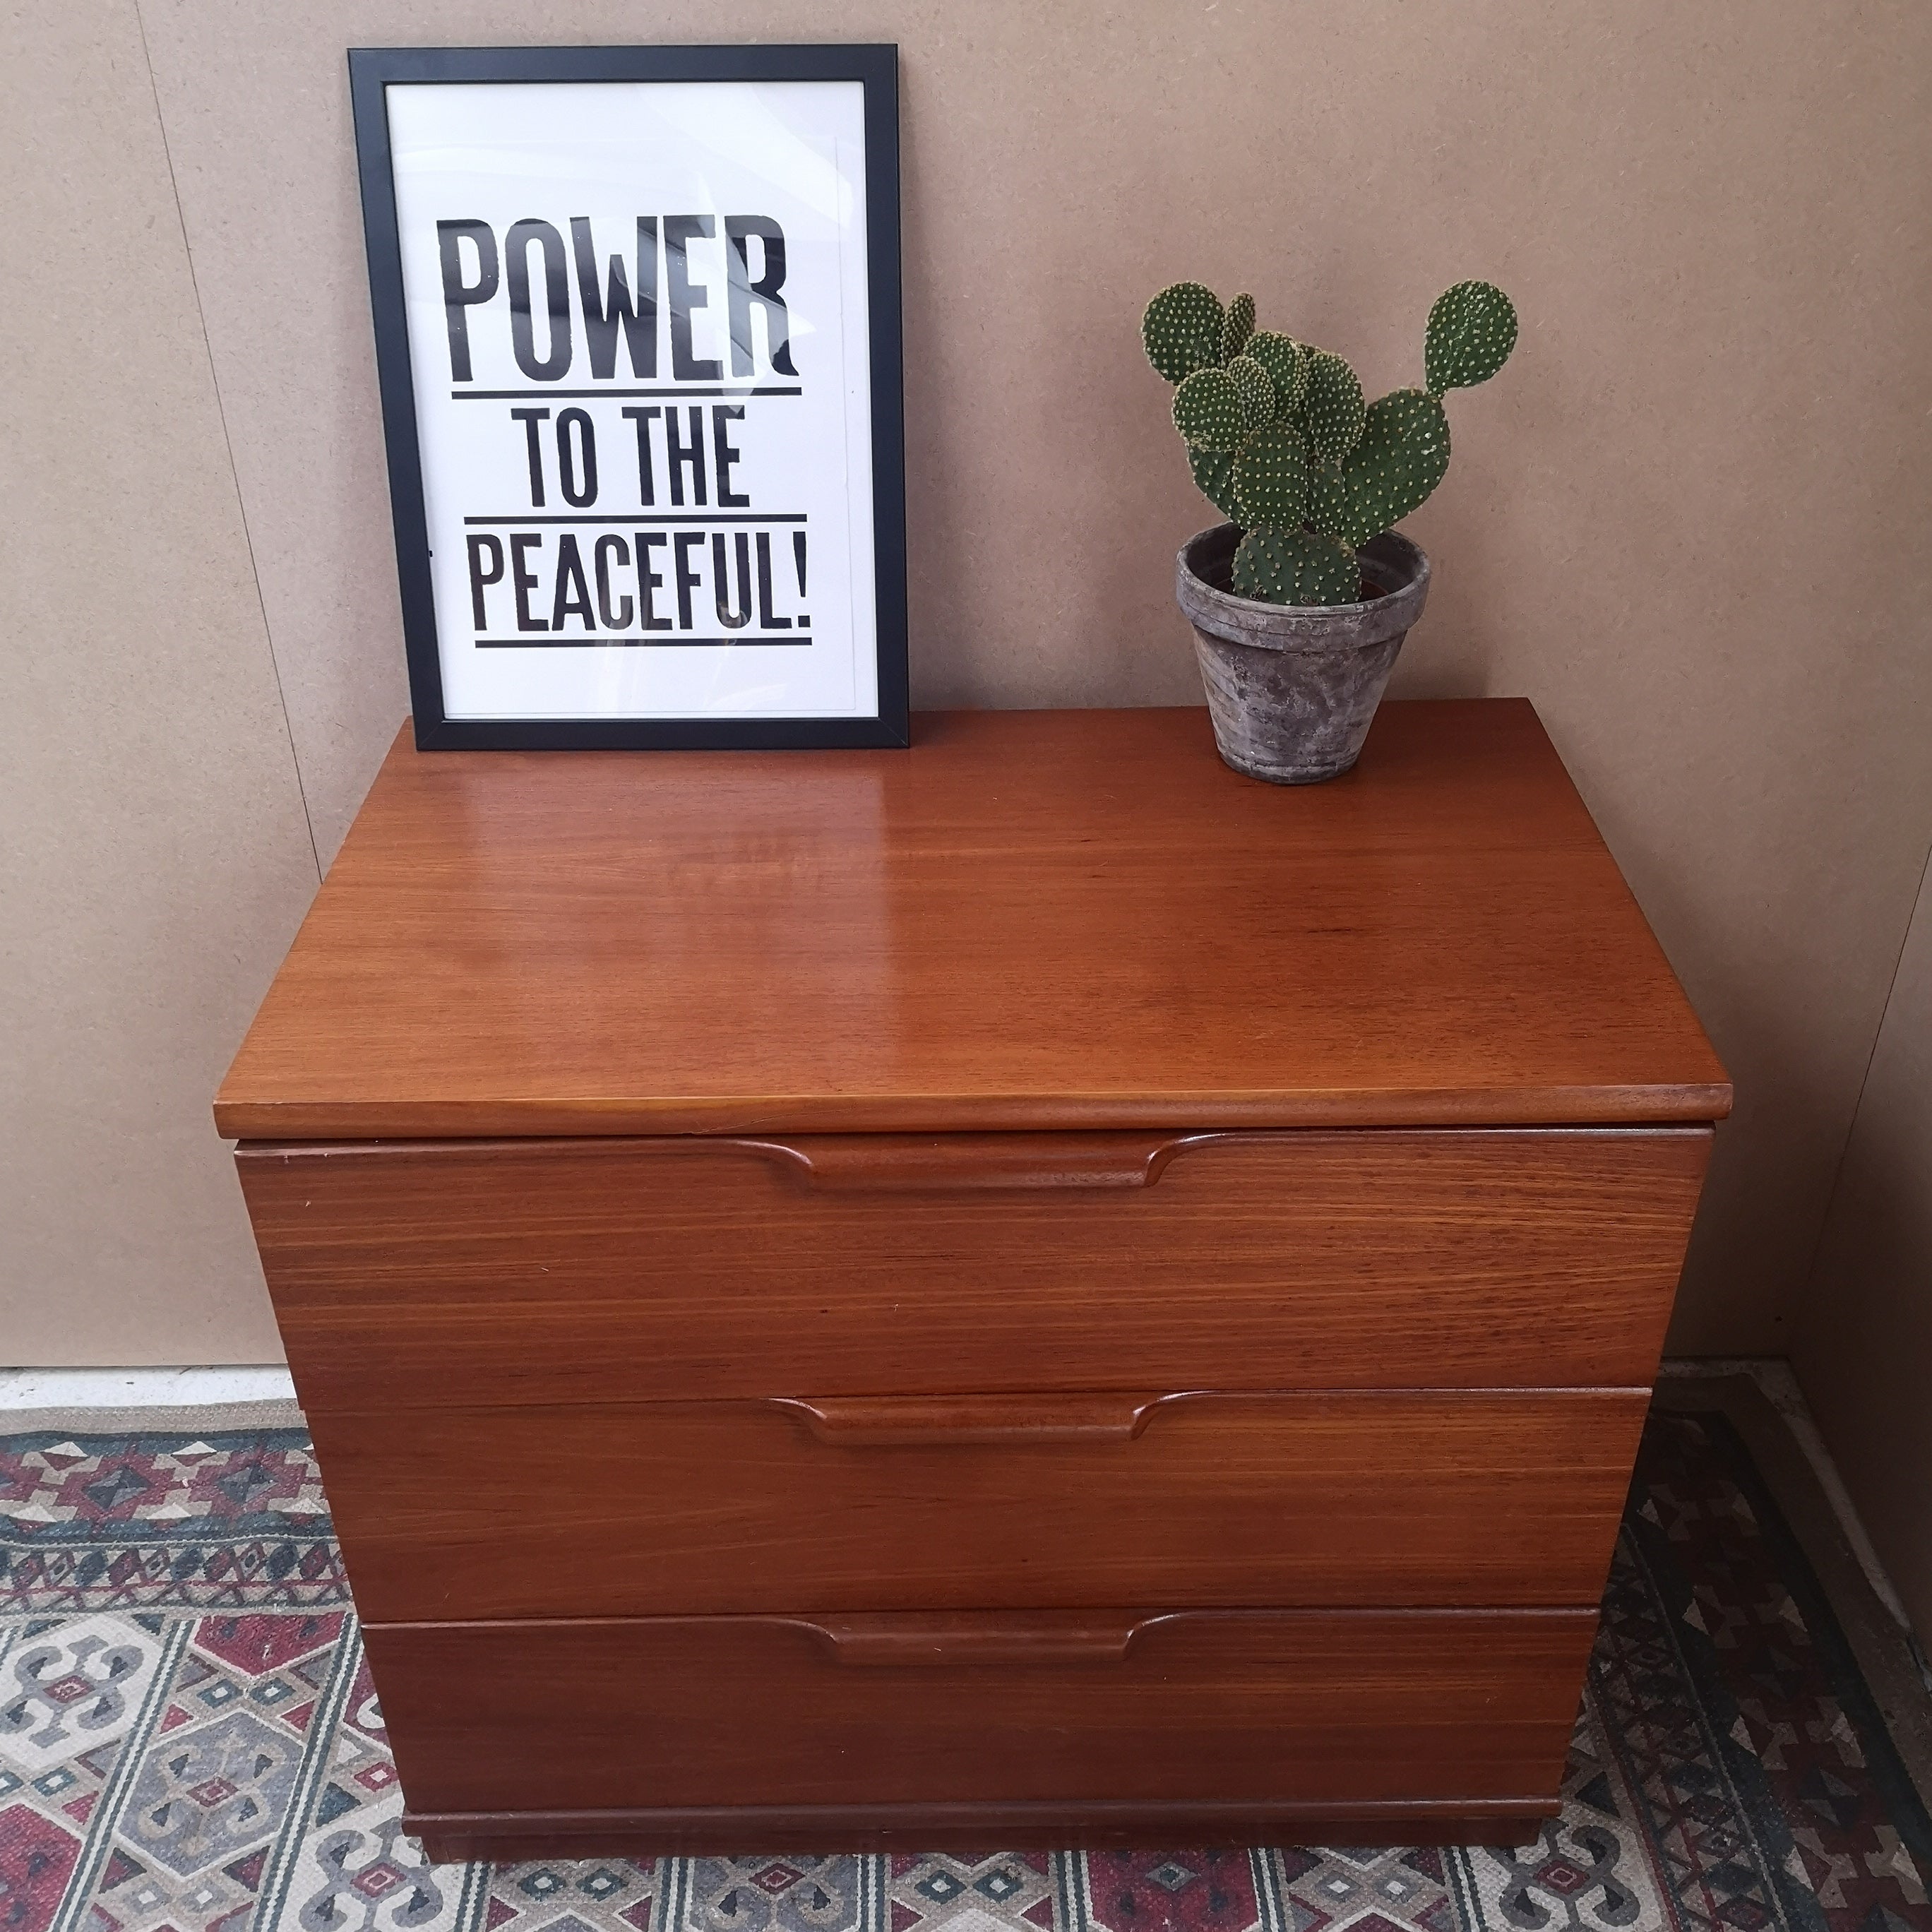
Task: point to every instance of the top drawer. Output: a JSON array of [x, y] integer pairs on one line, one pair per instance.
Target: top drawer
[[606, 1270]]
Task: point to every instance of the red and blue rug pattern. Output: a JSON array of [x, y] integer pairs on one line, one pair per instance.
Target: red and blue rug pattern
[[190, 1742]]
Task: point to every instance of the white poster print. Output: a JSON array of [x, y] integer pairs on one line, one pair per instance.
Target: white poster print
[[637, 336]]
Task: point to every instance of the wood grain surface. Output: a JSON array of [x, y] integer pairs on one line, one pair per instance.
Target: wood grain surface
[[482, 1274], [1030, 920], [1337, 1707], [1489, 1499]]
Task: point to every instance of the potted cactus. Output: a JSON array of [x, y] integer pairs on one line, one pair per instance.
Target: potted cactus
[[1301, 601]]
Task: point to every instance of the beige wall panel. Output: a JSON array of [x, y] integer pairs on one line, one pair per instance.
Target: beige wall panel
[[155, 859], [1863, 1349], [1688, 521]]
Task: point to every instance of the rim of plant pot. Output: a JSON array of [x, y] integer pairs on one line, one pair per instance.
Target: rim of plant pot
[[1398, 568]]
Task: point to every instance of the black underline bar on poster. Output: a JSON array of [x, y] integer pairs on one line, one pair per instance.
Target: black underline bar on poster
[[582, 395], [634, 644], [649, 519]]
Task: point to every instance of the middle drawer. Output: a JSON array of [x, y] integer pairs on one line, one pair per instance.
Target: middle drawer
[[1491, 1498]]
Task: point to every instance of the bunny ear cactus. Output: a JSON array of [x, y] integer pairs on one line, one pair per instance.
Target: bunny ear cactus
[[1471, 330], [1296, 567], [1270, 481], [1401, 455], [1254, 391], [1182, 331], [1236, 326], [1207, 412], [1332, 410], [1281, 441], [1286, 362], [1214, 478]]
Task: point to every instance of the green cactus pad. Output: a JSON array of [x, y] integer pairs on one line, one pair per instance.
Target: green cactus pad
[[1182, 330], [1471, 330], [1296, 567], [1208, 411], [1255, 392], [1328, 499], [1271, 481], [1286, 363], [1236, 326], [1214, 478], [1402, 456], [1332, 407]]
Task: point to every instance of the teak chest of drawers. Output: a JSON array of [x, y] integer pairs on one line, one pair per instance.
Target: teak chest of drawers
[[1030, 1290]]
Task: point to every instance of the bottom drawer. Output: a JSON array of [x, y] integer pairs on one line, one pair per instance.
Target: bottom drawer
[[1071, 1711]]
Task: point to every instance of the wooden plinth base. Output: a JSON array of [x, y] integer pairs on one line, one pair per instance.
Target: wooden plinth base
[[729, 1831]]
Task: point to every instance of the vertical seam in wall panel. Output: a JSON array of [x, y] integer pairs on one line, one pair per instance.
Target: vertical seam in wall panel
[[227, 440], [1864, 1077]]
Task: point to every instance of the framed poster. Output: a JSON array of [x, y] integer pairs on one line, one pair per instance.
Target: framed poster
[[637, 319]]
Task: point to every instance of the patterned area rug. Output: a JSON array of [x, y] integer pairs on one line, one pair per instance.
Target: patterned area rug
[[189, 1742]]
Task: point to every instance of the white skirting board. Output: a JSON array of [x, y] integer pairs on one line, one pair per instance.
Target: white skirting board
[[142, 1388], [100, 1399]]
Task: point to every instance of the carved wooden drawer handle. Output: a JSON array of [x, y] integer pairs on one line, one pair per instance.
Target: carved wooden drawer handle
[[936, 1638], [886, 1421], [953, 1163]]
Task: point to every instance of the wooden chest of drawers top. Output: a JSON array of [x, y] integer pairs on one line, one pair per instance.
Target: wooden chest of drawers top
[[1029, 921]]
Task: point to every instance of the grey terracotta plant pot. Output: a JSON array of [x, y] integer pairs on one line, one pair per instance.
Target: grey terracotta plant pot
[[1291, 689]]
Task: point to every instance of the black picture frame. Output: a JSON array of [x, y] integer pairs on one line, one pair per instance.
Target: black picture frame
[[372, 70]]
